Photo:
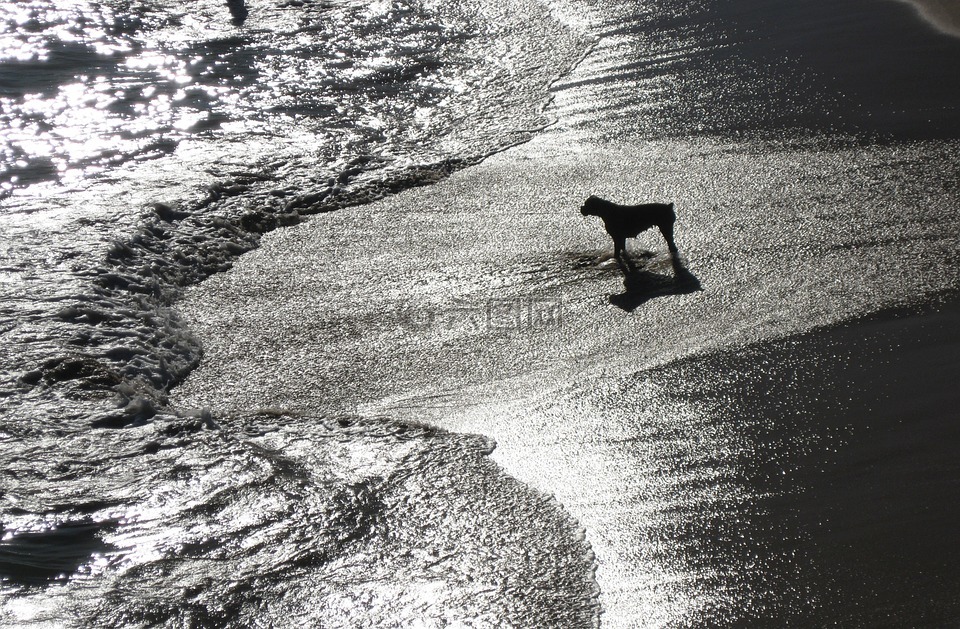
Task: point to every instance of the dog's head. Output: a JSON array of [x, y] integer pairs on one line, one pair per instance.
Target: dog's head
[[589, 206]]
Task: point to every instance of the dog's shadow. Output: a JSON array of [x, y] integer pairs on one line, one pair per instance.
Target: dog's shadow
[[644, 281]]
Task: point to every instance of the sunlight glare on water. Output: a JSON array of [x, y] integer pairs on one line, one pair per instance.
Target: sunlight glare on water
[[221, 396], [87, 87], [79, 91]]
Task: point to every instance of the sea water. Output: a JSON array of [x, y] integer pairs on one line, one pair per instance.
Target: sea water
[[149, 145], [145, 146]]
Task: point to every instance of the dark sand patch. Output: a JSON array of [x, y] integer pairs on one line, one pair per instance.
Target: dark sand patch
[[854, 433]]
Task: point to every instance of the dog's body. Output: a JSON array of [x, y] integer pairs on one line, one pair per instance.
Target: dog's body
[[627, 221]]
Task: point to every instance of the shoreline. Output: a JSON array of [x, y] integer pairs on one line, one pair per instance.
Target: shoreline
[[692, 447], [339, 324], [329, 309]]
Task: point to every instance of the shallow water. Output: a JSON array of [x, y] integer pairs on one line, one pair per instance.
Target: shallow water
[[537, 343], [290, 476], [146, 146]]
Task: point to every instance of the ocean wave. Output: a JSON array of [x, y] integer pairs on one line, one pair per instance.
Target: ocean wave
[[148, 148]]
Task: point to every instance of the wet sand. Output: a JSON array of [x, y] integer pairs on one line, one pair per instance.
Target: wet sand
[[392, 309], [737, 453], [770, 68], [852, 435], [805, 481]]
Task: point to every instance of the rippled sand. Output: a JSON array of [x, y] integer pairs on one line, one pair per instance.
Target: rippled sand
[[487, 304], [698, 442]]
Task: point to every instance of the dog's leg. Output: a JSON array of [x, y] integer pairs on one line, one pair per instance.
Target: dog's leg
[[620, 254], [667, 230]]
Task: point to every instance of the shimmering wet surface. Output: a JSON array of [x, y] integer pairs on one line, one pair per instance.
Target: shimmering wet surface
[[671, 467], [145, 148], [696, 480], [285, 519], [87, 86]]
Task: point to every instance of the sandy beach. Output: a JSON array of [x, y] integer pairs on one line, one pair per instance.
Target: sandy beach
[[305, 327], [486, 304]]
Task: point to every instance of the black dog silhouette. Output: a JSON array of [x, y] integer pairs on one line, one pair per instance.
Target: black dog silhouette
[[627, 221], [238, 9]]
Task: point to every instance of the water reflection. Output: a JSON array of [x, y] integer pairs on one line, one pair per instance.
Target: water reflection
[[81, 89]]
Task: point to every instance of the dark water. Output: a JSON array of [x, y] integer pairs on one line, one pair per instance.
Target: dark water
[[147, 145], [840, 493], [748, 69]]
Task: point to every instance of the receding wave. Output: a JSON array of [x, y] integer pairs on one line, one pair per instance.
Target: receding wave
[[145, 149]]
